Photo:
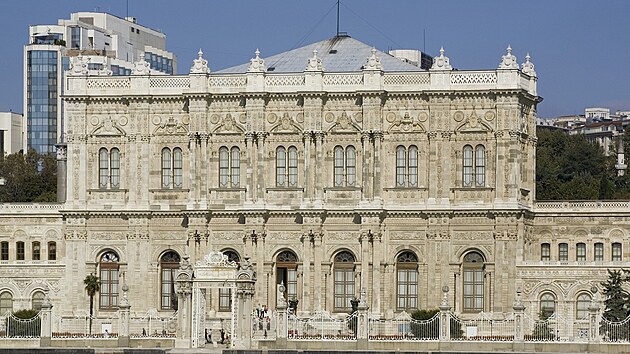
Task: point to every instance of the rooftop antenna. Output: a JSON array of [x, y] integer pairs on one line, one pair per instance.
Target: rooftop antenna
[[127, 16], [337, 18], [424, 40]]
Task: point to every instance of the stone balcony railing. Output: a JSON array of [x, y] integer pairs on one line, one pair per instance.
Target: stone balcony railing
[[583, 206], [216, 83], [30, 208]]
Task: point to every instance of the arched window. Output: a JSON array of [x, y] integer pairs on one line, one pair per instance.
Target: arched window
[[19, 250], [406, 166], [6, 302], [545, 252], [547, 305], [168, 266], [225, 294], [581, 306], [108, 270], [563, 252], [52, 251], [286, 166], [229, 167], [345, 166], [37, 300], [580, 252], [598, 252], [109, 168], [616, 252], [172, 168], [407, 281], [4, 251], [286, 272], [344, 281], [36, 250], [473, 282], [474, 166]]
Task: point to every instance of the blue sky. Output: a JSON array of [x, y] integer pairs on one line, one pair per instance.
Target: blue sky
[[581, 49]]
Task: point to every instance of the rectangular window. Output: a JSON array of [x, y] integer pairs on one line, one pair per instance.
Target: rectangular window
[[580, 252], [225, 300], [168, 287], [545, 252], [344, 289], [19, 251], [563, 252], [473, 290], [109, 287], [52, 251], [407, 292], [599, 252], [4, 251], [36, 251], [616, 252]]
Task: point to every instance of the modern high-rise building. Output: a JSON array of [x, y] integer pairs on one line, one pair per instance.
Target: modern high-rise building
[[108, 43], [11, 132]]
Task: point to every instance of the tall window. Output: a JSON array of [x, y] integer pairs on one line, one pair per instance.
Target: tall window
[[229, 167], [344, 281], [37, 300], [168, 266], [547, 304], [172, 168], [580, 252], [407, 281], [473, 282], [225, 294], [581, 306], [563, 252], [598, 252], [109, 168], [36, 250], [545, 252], [286, 166], [19, 251], [406, 166], [4, 251], [474, 166], [616, 252], [6, 303], [109, 280], [345, 166], [52, 251], [286, 272]]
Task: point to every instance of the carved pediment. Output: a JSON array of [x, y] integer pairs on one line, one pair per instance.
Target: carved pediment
[[344, 125], [171, 125], [473, 123], [286, 125], [228, 125], [406, 124], [108, 126]]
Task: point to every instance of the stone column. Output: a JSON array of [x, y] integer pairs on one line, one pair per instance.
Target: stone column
[[377, 189], [307, 136], [192, 175], [519, 315], [249, 178], [245, 281], [46, 324], [362, 321], [281, 311], [184, 303], [366, 166], [593, 314], [445, 317], [123, 318], [319, 166], [62, 171], [203, 171], [261, 183]]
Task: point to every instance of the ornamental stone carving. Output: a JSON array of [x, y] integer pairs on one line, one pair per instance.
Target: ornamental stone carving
[[314, 63], [373, 62], [79, 66], [441, 62], [200, 65], [257, 64], [141, 67], [528, 67], [508, 61]]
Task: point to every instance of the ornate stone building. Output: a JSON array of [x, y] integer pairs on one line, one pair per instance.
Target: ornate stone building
[[334, 167]]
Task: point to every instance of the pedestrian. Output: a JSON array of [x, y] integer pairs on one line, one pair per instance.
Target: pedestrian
[[144, 332], [222, 335]]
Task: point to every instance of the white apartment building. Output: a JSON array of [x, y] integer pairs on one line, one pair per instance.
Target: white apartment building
[[11, 132], [109, 46]]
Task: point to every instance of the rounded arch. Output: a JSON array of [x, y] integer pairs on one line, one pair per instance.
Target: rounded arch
[[98, 253], [37, 299], [461, 254], [6, 301], [232, 255], [547, 303], [402, 248], [341, 255], [541, 288], [170, 256], [406, 256], [285, 255]]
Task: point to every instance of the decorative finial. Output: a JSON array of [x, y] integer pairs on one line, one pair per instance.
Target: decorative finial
[[314, 63], [257, 53], [508, 61], [528, 66], [373, 62], [200, 65], [141, 67], [199, 53], [442, 62], [257, 64]]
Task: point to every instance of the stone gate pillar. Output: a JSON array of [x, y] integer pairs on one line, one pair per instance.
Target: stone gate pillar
[[123, 318], [445, 317], [281, 312], [519, 318], [46, 322], [184, 303], [593, 323], [245, 282], [362, 321]]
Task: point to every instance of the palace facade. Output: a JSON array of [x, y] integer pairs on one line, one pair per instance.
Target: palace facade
[[333, 167]]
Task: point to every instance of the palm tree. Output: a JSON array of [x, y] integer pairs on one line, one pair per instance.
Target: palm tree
[[92, 286]]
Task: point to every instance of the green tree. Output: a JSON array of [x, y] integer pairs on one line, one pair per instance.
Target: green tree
[[421, 330], [92, 286], [542, 331], [30, 177], [616, 304]]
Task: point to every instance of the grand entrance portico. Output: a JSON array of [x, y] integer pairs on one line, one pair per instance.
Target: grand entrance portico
[[194, 282]]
